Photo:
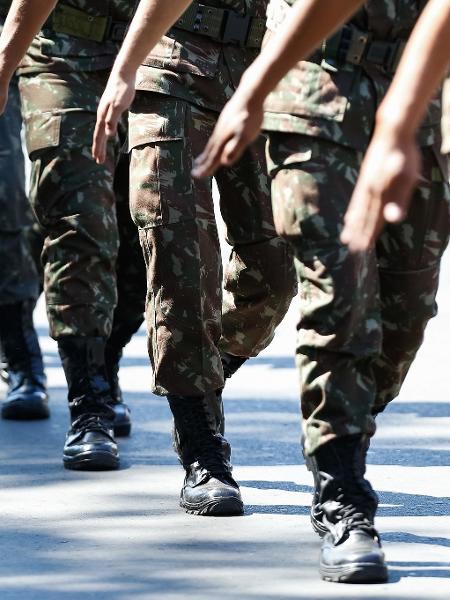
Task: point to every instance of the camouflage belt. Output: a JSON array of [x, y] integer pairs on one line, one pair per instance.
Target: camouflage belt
[[223, 25], [349, 45], [80, 24]]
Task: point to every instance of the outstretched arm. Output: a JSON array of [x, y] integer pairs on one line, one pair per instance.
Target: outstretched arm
[[24, 20], [151, 21], [392, 164], [240, 121]]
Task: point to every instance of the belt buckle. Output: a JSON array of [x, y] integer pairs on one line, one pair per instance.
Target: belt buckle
[[236, 28]]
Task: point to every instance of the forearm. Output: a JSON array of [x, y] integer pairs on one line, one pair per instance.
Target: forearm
[[423, 65], [24, 20], [152, 20], [307, 26]]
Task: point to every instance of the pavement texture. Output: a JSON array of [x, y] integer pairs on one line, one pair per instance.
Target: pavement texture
[[121, 535]]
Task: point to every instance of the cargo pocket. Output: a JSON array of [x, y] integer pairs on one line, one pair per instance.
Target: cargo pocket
[[160, 165], [50, 129], [42, 131]]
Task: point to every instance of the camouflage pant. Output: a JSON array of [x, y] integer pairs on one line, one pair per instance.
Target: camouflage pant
[[75, 203], [18, 277], [185, 317], [362, 317]]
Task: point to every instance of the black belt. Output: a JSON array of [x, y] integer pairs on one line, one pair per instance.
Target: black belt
[[223, 25], [351, 45]]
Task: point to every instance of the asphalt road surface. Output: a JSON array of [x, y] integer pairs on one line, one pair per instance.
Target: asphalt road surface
[[121, 535]]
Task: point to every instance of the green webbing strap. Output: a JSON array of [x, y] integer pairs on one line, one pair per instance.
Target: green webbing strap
[[223, 25], [205, 20], [256, 33], [77, 23]]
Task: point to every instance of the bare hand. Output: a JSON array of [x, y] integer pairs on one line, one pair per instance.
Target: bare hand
[[383, 192], [238, 126], [116, 99]]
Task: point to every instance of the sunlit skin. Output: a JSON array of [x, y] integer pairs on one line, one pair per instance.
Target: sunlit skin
[[24, 20], [392, 163], [241, 119], [151, 21]]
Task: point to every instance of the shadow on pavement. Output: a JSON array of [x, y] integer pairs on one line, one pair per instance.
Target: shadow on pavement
[[401, 570]]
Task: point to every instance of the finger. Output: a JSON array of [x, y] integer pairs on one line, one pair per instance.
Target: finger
[[207, 163], [232, 151], [354, 217], [100, 139], [394, 213], [113, 115], [363, 221]]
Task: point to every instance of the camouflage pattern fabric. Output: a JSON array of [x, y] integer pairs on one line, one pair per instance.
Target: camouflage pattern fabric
[[18, 277], [81, 207], [196, 68], [178, 232], [62, 52], [362, 317], [338, 101], [74, 200]]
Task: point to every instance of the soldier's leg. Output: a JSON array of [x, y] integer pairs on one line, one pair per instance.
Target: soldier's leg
[[131, 293], [73, 199], [339, 332], [184, 279], [409, 256], [26, 397], [260, 279], [339, 336]]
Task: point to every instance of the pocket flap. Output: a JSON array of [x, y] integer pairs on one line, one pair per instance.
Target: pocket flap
[[156, 121], [189, 53], [42, 131], [309, 90]]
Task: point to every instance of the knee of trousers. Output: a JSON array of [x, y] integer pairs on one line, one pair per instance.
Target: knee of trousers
[[84, 320], [74, 202], [262, 271], [183, 309]]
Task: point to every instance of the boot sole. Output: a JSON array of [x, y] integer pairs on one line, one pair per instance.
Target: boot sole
[[25, 411], [122, 430], [92, 461], [228, 507], [355, 573]]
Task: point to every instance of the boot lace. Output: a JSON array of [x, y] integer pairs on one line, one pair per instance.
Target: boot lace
[[351, 508], [89, 422]]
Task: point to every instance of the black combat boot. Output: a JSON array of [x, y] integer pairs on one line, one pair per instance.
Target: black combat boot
[[209, 488], [121, 334], [90, 443], [345, 506], [27, 396]]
